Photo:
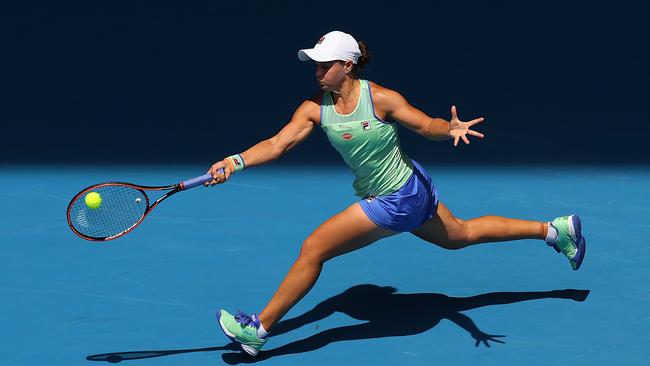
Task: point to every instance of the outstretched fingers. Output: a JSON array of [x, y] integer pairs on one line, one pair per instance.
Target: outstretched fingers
[[475, 133], [460, 129], [475, 121]]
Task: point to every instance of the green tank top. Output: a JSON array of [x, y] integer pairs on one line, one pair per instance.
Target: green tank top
[[367, 144]]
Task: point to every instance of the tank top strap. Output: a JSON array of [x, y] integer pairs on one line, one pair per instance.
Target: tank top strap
[[326, 105], [368, 110]]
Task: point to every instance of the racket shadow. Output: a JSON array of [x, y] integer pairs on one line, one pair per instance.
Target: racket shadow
[[116, 357], [415, 313]]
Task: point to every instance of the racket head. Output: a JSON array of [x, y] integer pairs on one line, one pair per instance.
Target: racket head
[[123, 207]]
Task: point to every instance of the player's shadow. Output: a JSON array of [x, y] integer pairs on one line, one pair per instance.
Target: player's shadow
[[388, 314], [384, 312]]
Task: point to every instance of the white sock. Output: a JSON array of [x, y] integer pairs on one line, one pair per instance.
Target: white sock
[[261, 332], [551, 236]]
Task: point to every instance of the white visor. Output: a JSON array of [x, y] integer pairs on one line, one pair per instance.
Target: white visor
[[334, 46]]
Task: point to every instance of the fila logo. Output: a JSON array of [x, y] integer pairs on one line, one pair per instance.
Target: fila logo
[[346, 136], [321, 40], [237, 161], [366, 126]]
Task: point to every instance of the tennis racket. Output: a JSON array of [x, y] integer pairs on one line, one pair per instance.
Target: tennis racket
[[121, 209]]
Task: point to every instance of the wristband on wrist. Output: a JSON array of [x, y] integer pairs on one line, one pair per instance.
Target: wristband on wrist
[[235, 163]]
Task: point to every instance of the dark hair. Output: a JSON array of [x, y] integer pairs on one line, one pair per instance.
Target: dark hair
[[363, 59]]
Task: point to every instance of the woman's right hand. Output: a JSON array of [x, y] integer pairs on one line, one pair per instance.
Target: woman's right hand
[[217, 176]]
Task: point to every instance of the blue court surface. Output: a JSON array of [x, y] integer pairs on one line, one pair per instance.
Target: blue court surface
[[150, 297]]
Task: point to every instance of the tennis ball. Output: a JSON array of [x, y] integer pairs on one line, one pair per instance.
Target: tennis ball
[[93, 200]]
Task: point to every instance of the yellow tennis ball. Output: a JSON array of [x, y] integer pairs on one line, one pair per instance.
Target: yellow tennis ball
[[93, 200]]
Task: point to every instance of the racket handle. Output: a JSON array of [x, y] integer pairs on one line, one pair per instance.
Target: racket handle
[[194, 182]]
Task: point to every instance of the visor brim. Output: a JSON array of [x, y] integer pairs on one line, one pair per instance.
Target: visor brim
[[315, 55]]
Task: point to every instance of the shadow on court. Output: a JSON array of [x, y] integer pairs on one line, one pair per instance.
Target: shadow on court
[[116, 357], [416, 313]]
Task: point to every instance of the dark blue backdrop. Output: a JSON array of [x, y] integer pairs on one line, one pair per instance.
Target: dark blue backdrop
[[195, 81]]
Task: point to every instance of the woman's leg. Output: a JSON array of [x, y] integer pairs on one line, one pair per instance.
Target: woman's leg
[[450, 232], [342, 233]]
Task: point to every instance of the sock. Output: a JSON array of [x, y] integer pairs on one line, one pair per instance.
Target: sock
[[261, 332], [551, 237]]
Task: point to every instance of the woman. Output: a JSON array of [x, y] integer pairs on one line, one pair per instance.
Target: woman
[[397, 194]]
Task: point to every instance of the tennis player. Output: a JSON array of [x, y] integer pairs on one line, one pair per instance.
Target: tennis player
[[397, 195]]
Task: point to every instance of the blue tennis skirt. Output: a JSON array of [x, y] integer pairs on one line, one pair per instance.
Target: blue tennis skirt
[[407, 208]]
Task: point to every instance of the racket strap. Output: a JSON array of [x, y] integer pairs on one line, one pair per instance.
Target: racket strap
[[235, 163]]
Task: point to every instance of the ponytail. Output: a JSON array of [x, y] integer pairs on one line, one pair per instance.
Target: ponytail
[[363, 59]]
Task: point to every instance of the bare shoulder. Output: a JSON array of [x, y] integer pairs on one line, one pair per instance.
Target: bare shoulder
[[309, 109], [385, 99]]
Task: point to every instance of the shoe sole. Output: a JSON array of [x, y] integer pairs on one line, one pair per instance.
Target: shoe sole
[[248, 349], [575, 230]]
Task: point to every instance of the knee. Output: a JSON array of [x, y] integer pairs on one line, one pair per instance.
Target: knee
[[459, 236], [311, 251]]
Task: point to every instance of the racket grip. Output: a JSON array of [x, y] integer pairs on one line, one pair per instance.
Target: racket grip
[[194, 182]]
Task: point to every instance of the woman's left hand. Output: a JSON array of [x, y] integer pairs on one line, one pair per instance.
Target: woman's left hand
[[459, 129]]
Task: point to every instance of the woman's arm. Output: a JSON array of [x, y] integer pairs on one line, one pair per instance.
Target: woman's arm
[[296, 131], [396, 107]]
